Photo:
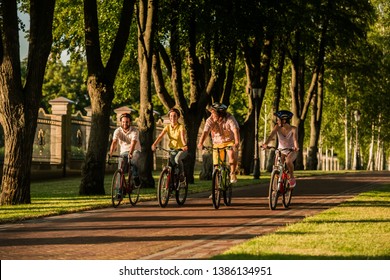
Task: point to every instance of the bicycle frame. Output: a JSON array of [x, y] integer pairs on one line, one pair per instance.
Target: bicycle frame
[[281, 187], [173, 167], [221, 178], [281, 166], [126, 187], [169, 181]]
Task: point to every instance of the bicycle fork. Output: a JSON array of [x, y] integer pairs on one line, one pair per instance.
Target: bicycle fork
[[281, 180]]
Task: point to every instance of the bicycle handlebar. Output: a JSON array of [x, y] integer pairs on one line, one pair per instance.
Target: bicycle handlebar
[[109, 162], [168, 150], [209, 148], [280, 149]]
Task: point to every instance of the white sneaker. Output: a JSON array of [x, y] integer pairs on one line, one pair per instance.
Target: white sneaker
[[233, 178]]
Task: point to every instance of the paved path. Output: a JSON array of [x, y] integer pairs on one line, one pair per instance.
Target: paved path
[[194, 231]]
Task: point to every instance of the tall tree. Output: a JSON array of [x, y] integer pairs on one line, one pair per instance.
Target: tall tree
[[315, 122], [197, 42], [100, 83], [146, 15], [20, 103]]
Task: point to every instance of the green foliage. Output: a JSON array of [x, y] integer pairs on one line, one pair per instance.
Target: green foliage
[[357, 63], [67, 81]]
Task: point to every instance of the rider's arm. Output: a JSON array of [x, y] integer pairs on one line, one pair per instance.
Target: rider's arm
[[132, 148], [295, 135], [113, 146], [270, 137], [236, 138], [158, 139], [183, 139], [206, 130], [202, 138]]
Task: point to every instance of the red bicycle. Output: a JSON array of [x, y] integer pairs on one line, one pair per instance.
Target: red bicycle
[[169, 181], [279, 185], [120, 187]]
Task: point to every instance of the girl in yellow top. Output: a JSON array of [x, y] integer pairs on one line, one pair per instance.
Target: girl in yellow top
[[177, 139]]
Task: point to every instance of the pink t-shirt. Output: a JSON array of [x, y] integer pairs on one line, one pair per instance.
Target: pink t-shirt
[[221, 131]]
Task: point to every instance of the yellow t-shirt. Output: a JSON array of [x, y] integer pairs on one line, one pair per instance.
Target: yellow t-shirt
[[174, 135]]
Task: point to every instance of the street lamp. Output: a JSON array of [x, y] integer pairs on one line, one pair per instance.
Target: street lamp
[[357, 116], [256, 161]]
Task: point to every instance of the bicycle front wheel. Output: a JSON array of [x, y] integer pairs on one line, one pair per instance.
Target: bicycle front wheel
[[286, 198], [163, 190], [215, 189], [117, 188], [228, 190], [134, 192], [273, 192], [181, 192]]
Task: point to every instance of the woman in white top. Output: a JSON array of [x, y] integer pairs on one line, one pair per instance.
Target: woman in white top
[[287, 138]]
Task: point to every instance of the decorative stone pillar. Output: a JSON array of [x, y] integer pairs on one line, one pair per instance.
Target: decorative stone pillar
[[61, 106]]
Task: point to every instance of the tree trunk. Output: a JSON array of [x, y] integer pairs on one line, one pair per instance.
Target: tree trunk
[[276, 100], [146, 29], [370, 162], [100, 89], [257, 61], [315, 127], [93, 170], [19, 106]]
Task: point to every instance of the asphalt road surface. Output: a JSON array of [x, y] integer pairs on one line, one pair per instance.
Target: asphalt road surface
[[193, 231]]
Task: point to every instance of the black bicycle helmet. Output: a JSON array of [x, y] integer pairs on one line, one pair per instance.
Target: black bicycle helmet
[[284, 114], [219, 107], [125, 115]]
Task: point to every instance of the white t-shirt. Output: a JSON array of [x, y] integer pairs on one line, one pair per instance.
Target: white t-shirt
[[125, 139]]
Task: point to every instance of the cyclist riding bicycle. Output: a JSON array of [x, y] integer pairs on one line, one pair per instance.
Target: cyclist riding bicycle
[[177, 140], [224, 133], [127, 137], [288, 139]]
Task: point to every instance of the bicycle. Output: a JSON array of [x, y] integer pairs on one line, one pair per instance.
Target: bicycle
[[169, 181], [221, 179], [279, 184], [120, 187]]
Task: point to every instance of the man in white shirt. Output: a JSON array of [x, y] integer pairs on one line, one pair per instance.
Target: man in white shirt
[[128, 139]]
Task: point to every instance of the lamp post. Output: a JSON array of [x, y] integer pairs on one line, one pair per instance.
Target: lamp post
[[256, 160], [357, 151]]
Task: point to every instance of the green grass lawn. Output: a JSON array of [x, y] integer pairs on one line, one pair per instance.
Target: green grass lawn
[[356, 229]]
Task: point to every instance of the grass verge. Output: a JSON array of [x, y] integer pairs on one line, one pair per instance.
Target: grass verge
[[356, 229]]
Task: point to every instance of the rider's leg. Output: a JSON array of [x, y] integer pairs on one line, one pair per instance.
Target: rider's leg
[[233, 164], [290, 166], [125, 159], [134, 162], [179, 161]]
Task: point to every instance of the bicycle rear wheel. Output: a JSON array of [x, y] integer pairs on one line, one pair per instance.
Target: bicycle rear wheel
[[134, 192], [181, 192], [117, 188], [287, 195], [273, 192], [228, 190], [163, 190], [215, 192]]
